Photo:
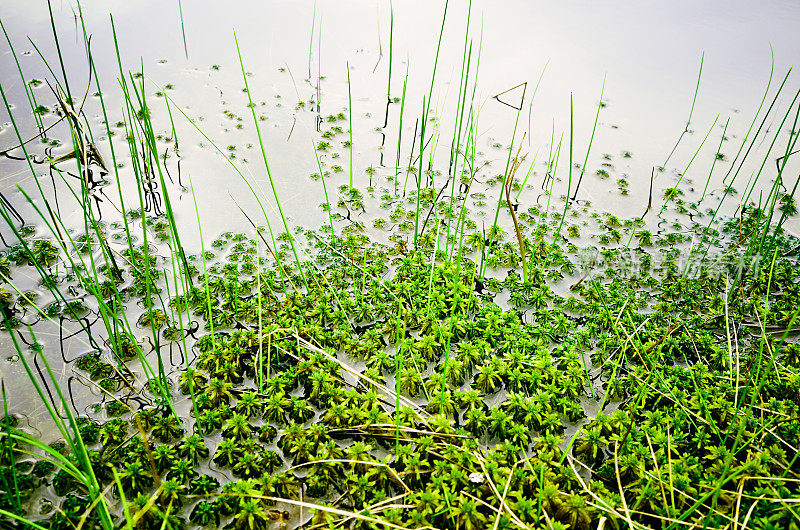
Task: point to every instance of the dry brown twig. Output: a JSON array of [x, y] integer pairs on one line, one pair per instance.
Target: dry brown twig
[[507, 185]]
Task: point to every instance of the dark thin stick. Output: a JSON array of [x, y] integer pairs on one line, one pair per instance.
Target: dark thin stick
[[507, 185], [778, 160], [293, 82], [524, 84], [62, 118], [183, 30], [591, 139], [650, 199], [11, 208], [438, 195], [260, 235], [411, 156], [380, 46]]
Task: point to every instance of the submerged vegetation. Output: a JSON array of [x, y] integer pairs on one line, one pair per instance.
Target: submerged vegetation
[[396, 389], [558, 367]]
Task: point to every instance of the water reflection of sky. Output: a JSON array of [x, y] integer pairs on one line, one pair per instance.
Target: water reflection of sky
[[649, 52]]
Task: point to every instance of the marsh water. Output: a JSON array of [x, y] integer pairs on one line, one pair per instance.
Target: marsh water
[[644, 56]]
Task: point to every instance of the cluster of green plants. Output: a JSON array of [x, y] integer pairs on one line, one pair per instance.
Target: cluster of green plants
[[394, 390], [559, 367]]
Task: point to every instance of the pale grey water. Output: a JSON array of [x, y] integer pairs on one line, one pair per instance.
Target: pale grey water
[[649, 53]]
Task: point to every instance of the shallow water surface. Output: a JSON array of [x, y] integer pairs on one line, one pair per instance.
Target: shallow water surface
[[649, 54]]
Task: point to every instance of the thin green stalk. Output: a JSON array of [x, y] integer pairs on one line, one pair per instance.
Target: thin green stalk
[[238, 171], [319, 66], [266, 163], [683, 174], [150, 136], [505, 174], [728, 188], [172, 124], [8, 445], [58, 50], [186, 284], [22, 520], [311, 39], [419, 174], [691, 111], [425, 110], [551, 172], [462, 90], [400, 132], [28, 89], [123, 500], [533, 97], [140, 174], [569, 181], [398, 370], [468, 148], [391, 48], [325, 189], [350, 118], [183, 30], [205, 268], [772, 144], [591, 138], [126, 224], [456, 142], [716, 157], [469, 133], [260, 321], [527, 175], [163, 384], [755, 117], [71, 434], [778, 183]]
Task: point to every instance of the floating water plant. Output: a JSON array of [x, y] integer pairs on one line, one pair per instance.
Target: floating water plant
[[399, 366]]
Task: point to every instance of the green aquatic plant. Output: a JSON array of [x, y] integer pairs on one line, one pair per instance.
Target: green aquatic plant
[[420, 382]]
